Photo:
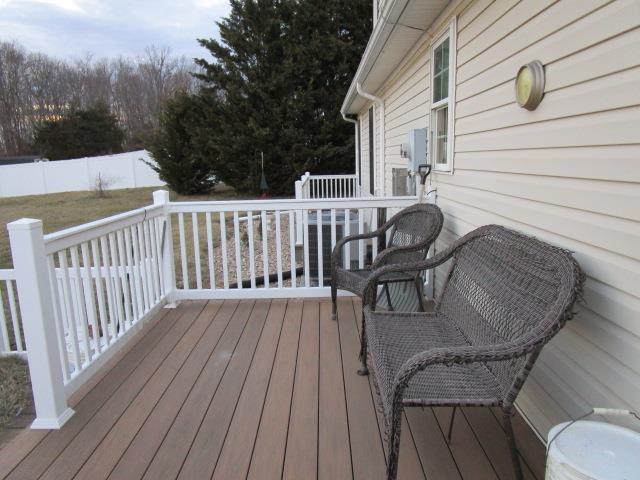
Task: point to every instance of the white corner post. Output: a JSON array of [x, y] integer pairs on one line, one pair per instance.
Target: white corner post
[[36, 305], [161, 197]]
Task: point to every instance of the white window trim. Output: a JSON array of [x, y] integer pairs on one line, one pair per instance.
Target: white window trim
[[449, 31]]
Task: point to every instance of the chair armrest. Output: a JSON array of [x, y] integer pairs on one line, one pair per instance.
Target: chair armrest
[[336, 254], [384, 256], [372, 282]]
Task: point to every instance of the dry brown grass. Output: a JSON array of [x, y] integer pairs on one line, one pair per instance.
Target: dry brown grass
[[15, 394], [63, 210]]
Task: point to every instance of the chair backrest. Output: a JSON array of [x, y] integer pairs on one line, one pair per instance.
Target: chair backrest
[[503, 287], [419, 223]]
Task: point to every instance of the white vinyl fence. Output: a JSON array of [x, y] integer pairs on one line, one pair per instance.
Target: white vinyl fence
[[123, 170], [83, 291]]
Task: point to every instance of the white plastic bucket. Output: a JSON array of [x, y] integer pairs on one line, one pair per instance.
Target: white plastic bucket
[[593, 451]]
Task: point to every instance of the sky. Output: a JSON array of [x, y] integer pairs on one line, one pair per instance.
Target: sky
[[110, 28]]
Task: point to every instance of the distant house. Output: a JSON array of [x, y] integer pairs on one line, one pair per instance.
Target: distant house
[[567, 171], [20, 159]]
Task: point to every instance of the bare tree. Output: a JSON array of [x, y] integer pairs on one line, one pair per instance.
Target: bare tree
[[35, 88]]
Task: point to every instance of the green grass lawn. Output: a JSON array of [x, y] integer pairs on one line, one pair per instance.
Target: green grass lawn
[[58, 211]]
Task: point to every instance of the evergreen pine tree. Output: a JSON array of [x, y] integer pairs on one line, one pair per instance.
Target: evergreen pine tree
[[179, 148], [275, 85]]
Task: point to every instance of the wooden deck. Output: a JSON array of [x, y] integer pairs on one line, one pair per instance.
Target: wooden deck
[[255, 389]]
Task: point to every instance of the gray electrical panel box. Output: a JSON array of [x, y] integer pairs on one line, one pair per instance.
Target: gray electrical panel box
[[417, 148], [415, 151]]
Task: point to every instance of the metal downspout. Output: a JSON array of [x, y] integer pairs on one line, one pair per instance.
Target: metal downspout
[[355, 125], [380, 102]]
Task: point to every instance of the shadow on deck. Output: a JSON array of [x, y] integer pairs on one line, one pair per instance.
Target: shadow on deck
[[255, 389]]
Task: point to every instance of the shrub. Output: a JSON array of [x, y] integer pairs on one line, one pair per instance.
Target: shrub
[[81, 133]]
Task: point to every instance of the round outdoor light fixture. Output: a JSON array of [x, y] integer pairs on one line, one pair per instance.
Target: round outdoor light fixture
[[530, 85]]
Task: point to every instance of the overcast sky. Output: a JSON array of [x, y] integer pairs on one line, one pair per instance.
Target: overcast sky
[[71, 28]]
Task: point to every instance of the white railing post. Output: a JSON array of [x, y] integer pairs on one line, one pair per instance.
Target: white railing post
[[161, 197], [299, 196], [36, 306]]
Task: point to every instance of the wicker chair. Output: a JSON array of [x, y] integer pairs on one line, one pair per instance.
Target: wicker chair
[[505, 296], [412, 231]]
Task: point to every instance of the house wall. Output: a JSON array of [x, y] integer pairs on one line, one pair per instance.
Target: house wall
[[568, 172]]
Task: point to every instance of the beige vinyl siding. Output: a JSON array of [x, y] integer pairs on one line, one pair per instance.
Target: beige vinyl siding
[[568, 172], [406, 108]]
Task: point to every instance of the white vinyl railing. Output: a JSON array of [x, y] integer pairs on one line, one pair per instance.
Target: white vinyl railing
[[84, 291], [105, 277], [247, 249], [11, 334], [327, 186]]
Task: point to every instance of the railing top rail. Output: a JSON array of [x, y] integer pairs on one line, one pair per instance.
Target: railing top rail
[[88, 231], [289, 204], [7, 274], [333, 177]]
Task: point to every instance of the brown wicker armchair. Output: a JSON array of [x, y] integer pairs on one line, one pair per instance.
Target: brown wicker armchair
[[412, 231], [505, 296]]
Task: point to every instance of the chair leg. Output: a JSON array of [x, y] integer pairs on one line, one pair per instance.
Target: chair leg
[[394, 443], [363, 370], [334, 307], [419, 293], [453, 416], [386, 289], [507, 413]]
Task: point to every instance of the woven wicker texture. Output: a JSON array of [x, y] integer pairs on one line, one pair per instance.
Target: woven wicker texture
[[410, 235], [505, 296]]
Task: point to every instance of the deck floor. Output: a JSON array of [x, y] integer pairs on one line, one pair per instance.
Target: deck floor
[[263, 389]]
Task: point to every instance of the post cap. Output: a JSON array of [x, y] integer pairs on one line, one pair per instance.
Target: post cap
[[160, 196], [25, 224]]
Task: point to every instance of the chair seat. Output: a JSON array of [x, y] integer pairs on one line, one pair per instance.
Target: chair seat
[[395, 337], [355, 280]]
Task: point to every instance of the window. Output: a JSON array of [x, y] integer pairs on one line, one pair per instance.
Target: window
[[442, 90]]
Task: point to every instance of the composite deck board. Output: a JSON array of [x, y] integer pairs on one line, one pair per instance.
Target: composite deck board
[[490, 435], [259, 389], [334, 459], [139, 453], [176, 444], [465, 448], [153, 400], [270, 444], [301, 456], [101, 397], [529, 446], [206, 447], [433, 450], [236, 452], [367, 454], [127, 409]]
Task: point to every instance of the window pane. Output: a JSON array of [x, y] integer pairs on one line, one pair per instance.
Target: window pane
[[437, 88], [441, 71], [441, 130], [444, 82]]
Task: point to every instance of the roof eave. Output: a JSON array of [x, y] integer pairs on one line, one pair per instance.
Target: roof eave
[[381, 55]]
